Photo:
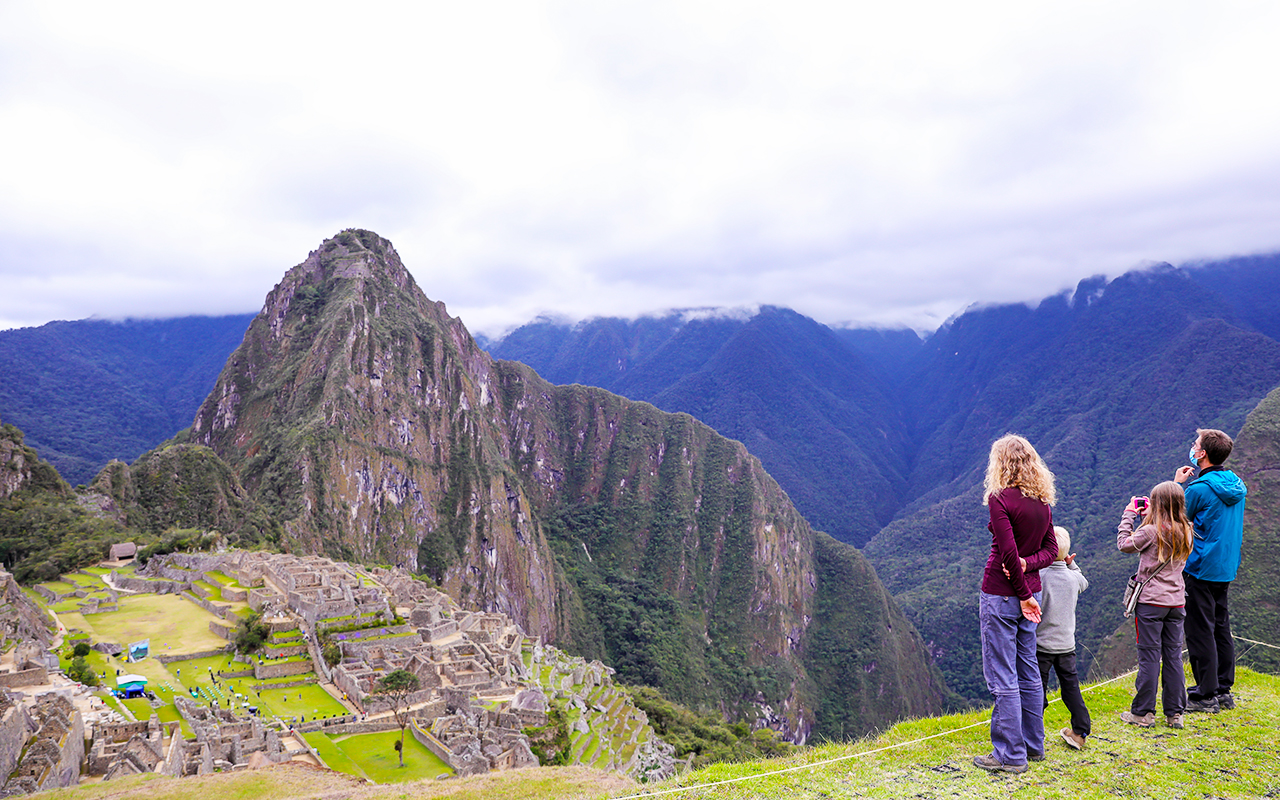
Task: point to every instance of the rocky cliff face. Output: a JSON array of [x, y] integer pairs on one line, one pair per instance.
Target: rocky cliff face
[[21, 468], [363, 416]]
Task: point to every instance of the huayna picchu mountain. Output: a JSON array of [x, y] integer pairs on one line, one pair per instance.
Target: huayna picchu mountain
[[366, 421]]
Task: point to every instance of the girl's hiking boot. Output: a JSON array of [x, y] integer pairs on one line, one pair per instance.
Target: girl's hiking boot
[[1173, 721], [1144, 721], [1074, 740]]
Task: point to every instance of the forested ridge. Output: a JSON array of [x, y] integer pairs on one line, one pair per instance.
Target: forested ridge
[[90, 391]]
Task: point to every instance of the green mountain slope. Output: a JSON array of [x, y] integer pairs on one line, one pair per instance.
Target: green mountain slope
[[44, 531], [1255, 593]]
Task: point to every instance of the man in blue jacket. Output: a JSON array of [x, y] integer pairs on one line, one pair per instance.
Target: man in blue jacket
[[1215, 506]]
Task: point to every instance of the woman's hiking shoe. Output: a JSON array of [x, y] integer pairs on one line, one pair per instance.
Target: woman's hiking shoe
[[990, 764], [1144, 721], [1073, 739], [1226, 702], [1173, 721], [1209, 706]]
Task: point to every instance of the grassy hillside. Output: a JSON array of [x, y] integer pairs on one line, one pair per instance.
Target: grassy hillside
[[1230, 755]]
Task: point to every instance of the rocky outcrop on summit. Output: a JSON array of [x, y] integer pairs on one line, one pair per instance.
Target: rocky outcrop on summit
[[367, 420]]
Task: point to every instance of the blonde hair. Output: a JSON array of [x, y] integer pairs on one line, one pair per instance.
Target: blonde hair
[[1014, 462], [1064, 542], [1167, 511]]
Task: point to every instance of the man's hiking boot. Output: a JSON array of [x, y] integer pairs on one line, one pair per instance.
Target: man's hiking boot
[[1074, 740], [990, 764], [1209, 706], [1144, 721], [1225, 701], [1173, 720]]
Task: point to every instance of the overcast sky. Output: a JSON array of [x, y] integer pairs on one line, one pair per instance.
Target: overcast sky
[[874, 163]]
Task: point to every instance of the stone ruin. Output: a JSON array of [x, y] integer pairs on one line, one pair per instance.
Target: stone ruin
[[223, 741], [476, 698], [55, 750], [126, 748]]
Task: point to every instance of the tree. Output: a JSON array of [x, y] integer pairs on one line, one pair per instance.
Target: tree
[[251, 633], [396, 687]]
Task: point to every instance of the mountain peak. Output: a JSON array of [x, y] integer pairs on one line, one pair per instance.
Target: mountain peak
[[354, 254]]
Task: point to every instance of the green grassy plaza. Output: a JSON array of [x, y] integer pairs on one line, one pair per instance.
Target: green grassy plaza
[[174, 625], [373, 756]]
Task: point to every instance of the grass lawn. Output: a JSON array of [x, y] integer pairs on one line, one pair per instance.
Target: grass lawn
[[376, 756], [1233, 754], [60, 587], [309, 701], [173, 625], [332, 755], [222, 579]]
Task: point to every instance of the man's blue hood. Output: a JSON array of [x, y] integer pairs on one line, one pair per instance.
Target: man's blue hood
[[1225, 484]]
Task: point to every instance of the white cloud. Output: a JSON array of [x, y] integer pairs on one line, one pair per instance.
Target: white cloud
[[859, 162]]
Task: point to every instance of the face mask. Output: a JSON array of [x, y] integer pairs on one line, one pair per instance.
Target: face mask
[[1195, 462]]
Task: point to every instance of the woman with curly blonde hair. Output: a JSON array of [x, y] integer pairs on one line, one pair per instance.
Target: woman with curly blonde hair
[[1019, 493]]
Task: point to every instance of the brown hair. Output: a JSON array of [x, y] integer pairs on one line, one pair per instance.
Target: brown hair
[[1216, 445], [1168, 513], [1014, 462]]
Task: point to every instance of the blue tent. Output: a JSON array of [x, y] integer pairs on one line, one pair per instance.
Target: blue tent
[[131, 685]]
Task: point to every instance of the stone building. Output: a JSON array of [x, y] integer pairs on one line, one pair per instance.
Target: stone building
[[52, 758]]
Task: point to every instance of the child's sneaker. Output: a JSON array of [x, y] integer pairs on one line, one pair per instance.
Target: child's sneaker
[[1073, 739], [1174, 721], [1144, 721]]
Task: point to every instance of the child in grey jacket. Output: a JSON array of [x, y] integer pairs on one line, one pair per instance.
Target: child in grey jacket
[[1061, 583]]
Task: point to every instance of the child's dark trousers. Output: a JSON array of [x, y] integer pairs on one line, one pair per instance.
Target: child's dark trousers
[[1064, 664]]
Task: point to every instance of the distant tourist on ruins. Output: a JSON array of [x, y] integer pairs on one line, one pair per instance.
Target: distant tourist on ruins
[[1020, 495]]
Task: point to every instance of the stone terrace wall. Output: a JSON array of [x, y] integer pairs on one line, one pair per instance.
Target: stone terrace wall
[[225, 612], [144, 585], [36, 676], [217, 651], [282, 670]]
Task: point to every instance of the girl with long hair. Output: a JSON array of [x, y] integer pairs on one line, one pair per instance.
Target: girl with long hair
[[1020, 495], [1163, 539]]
